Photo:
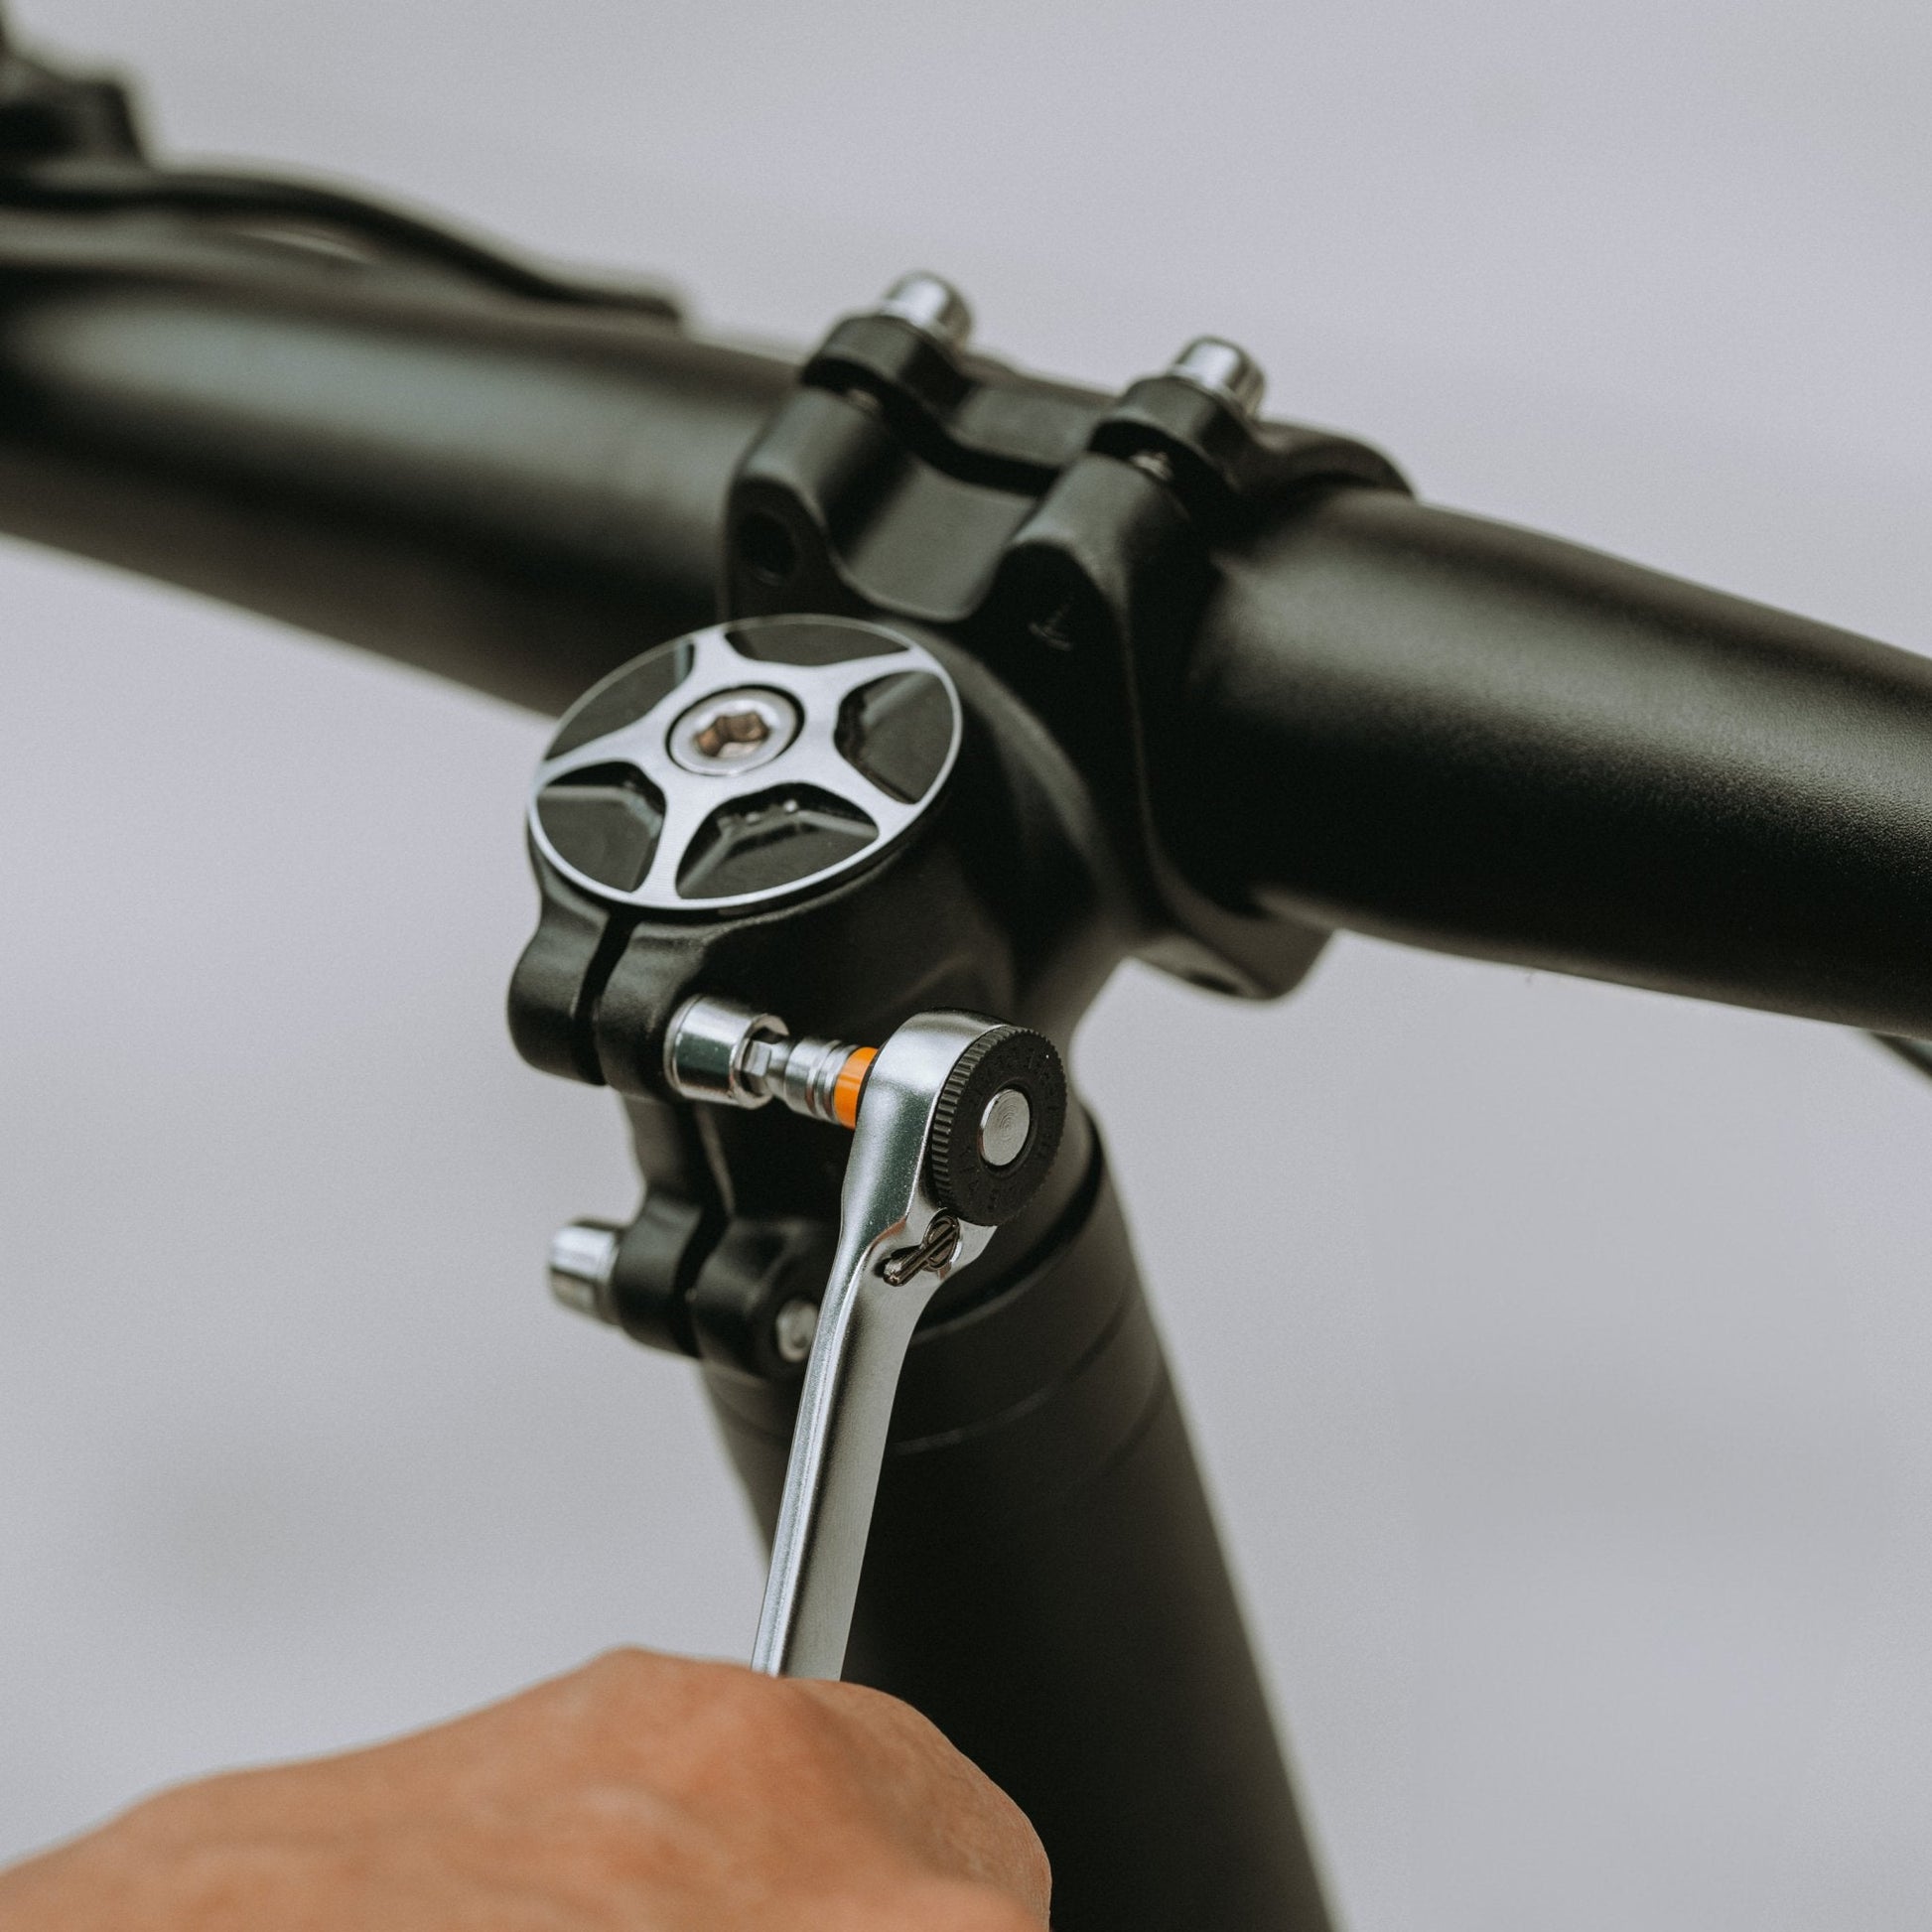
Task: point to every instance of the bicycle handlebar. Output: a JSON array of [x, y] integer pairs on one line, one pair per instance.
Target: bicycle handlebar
[[1399, 719], [1472, 738], [512, 494]]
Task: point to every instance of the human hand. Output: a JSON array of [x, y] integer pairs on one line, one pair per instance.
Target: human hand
[[638, 1794]]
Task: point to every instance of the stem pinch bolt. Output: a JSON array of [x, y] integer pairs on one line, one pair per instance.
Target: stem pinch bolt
[[793, 1328], [584, 1265], [996, 1114]]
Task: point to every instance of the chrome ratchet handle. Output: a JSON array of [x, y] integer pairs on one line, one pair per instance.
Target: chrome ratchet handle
[[959, 1115]]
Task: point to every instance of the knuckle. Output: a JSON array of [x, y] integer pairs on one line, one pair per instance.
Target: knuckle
[[955, 1906], [1032, 1867], [178, 1807], [619, 1693], [1023, 1846], [782, 1716], [869, 1720], [696, 1723], [625, 1671]]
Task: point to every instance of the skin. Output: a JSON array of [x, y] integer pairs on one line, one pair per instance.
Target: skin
[[641, 1793]]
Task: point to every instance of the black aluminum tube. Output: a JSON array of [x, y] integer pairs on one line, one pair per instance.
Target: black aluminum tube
[[511, 495], [1044, 1582], [1481, 740]]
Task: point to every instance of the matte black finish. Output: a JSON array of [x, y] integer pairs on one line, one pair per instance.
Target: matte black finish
[[1044, 1581], [1062, 539], [305, 217], [512, 493], [1479, 739], [45, 112], [520, 497]]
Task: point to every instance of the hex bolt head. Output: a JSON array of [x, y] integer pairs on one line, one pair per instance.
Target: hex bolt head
[[583, 1261], [1223, 371], [734, 731], [931, 305], [793, 1328]]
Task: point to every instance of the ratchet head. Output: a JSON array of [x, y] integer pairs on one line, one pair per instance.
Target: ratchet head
[[994, 1125]]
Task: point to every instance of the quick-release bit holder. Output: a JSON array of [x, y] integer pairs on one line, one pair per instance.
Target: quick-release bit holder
[[955, 1121]]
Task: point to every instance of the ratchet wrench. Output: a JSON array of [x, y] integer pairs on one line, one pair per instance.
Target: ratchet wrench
[[956, 1120]]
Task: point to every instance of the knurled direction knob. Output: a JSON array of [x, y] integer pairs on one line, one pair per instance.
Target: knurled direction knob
[[997, 1124]]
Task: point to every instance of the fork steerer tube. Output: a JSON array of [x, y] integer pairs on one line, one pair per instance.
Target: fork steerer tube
[[1043, 1579]]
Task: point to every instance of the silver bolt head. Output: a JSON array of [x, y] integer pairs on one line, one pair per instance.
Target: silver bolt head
[[1004, 1127], [1223, 371], [734, 731], [709, 1050], [582, 1264], [931, 305], [793, 1328]]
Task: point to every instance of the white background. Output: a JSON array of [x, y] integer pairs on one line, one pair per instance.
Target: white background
[[1563, 1355]]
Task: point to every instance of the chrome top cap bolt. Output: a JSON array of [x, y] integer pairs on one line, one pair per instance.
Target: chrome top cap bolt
[[1226, 372], [932, 306], [734, 731]]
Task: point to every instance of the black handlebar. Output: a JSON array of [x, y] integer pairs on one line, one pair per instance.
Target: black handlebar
[[513, 494], [1479, 739], [1398, 720]]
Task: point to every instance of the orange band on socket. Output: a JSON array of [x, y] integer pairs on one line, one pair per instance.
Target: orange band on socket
[[850, 1083]]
